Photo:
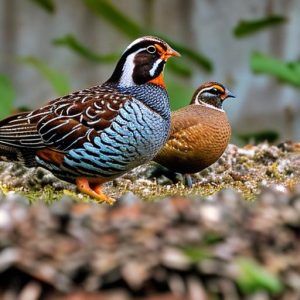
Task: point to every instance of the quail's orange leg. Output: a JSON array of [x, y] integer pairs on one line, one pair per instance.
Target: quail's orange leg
[[83, 186]]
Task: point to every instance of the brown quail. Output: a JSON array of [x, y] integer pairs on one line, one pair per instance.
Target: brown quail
[[200, 132]]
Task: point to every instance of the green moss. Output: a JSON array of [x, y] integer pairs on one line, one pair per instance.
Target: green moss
[[46, 194], [254, 277], [196, 254], [273, 172]]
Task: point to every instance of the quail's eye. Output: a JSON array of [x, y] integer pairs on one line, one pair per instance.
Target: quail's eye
[[151, 49], [214, 91]]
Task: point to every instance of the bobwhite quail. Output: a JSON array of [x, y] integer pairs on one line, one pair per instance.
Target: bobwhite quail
[[200, 132], [94, 135]]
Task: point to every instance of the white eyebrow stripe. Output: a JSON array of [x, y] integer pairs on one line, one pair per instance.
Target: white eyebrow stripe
[[206, 89], [147, 38], [201, 91], [133, 43]]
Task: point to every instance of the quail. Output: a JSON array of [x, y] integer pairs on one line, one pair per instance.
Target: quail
[[94, 135], [200, 132]]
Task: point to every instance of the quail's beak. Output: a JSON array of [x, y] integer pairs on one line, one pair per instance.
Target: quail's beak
[[170, 52], [228, 94]]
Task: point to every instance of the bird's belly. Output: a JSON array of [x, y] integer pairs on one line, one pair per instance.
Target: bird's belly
[[134, 137]]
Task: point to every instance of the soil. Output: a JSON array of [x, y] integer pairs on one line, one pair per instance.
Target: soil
[[161, 240]]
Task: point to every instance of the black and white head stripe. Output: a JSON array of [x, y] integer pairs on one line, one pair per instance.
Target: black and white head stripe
[[154, 68], [128, 77], [140, 59], [144, 42], [211, 94], [212, 89]]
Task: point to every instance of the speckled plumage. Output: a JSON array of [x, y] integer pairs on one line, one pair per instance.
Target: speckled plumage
[[99, 133], [124, 145], [199, 136], [200, 132], [97, 138]]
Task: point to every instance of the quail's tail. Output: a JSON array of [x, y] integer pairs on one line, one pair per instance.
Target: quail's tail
[[19, 140]]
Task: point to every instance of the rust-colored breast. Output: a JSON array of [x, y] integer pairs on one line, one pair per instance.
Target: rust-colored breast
[[199, 136]]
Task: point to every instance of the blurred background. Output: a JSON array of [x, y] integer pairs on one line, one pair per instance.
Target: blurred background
[[219, 247], [49, 48]]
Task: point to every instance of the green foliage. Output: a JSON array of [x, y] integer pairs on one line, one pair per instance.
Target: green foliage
[[245, 27], [211, 238], [288, 72], [7, 96], [253, 277], [131, 29], [57, 80], [73, 44], [179, 68], [47, 5], [70, 42], [258, 137], [180, 95], [107, 11], [197, 58], [196, 254]]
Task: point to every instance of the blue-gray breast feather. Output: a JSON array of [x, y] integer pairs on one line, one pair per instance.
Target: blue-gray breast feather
[[134, 137]]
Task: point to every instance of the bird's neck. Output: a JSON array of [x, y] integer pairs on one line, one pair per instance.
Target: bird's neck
[[213, 103], [124, 70], [118, 72], [152, 95]]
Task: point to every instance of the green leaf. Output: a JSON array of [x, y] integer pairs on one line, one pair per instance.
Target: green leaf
[[132, 30], [194, 56], [179, 67], [180, 95], [57, 80], [288, 72], [7, 96], [196, 254], [108, 11], [253, 277], [246, 27], [211, 238], [73, 44], [47, 5]]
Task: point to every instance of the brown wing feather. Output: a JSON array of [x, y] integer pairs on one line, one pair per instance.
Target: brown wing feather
[[70, 121], [17, 131], [61, 125]]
